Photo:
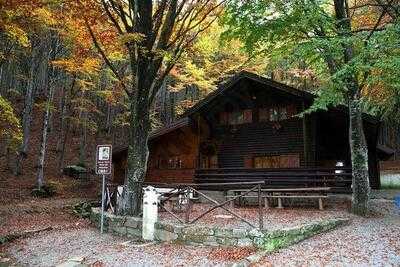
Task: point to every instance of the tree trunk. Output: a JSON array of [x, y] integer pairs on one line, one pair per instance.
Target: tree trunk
[[49, 91], [358, 146], [27, 112], [42, 152], [137, 159], [63, 112], [62, 152], [359, 159], [82, 143]]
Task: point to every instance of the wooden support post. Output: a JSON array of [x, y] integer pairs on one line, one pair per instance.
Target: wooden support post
[[280, 203], [266, 202], [321, 207], [260, 210], [233, 201]]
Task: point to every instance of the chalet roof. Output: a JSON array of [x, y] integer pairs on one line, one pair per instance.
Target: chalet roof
[[228, 85], [169, 128]]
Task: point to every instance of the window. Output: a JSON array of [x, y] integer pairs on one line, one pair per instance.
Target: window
[[266, 162], [236, 117], [283, 113], [247, 116], [279, 161], [273, 114], [279, 113], [209, 162], [174, 163]]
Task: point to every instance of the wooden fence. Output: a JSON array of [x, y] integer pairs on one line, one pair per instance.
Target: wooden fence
[[338, 179]]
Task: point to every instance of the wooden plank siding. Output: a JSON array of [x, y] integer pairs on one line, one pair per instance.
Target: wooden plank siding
[[180, 144], [260, 139]]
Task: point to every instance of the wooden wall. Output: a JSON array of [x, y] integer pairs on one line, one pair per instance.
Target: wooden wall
[[181, 143], [259, 139]]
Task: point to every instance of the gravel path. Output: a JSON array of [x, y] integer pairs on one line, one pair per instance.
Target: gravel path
[[371, 241], [365, 242], [53, 248], [273, 218]]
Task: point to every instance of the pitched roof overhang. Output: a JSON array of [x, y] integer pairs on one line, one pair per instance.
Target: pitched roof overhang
[[185, 121], [229, 85]]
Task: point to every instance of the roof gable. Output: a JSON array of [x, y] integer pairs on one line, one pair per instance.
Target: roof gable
[[230, 85]]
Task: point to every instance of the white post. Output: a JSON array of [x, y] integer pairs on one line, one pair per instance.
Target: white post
[[150, 210], [102, 203]]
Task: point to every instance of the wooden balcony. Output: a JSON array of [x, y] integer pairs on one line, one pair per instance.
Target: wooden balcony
[[338, 178]]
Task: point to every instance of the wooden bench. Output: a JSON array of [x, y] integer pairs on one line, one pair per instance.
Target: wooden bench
[[319, 193]]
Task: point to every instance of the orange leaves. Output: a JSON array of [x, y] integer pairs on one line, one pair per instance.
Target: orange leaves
[[76, 65], [366, 13]]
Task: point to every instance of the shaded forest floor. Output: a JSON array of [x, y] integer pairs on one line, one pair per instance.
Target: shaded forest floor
[[19, 210]]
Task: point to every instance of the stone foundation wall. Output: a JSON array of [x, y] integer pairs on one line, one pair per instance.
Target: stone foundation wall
[[212, 236]]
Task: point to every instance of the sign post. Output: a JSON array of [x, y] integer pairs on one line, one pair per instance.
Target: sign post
[[103, 167]]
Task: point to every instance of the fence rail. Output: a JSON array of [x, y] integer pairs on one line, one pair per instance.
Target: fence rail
[[185, 190], [338, 179], [180, 194]]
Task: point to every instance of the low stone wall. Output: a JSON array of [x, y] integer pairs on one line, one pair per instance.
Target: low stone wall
[[213, 236]]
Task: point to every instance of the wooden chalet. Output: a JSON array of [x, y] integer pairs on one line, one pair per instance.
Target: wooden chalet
[[247, 130]]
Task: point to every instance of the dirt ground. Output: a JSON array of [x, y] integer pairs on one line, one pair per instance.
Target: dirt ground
[[87, 243], [273, 218], [373, 241]]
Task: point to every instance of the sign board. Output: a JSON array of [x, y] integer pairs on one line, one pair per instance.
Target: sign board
[[103, 159]]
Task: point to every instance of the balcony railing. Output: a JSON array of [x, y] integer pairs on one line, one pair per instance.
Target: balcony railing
[[338, 179]]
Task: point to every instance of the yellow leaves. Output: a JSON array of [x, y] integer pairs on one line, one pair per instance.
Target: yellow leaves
[[130, 38], [17, 34], [44, 16], [209, 60], [90, 65], [10, 127], [85, 66]]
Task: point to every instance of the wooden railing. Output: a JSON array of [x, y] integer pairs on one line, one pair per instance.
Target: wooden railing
[[338, 178], [180, 194]]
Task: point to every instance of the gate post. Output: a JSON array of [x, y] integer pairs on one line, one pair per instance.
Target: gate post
[[260, 209], [150, 212]]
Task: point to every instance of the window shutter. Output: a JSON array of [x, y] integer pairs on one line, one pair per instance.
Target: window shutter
[[289, 161], [248, 116], [248, 162]]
